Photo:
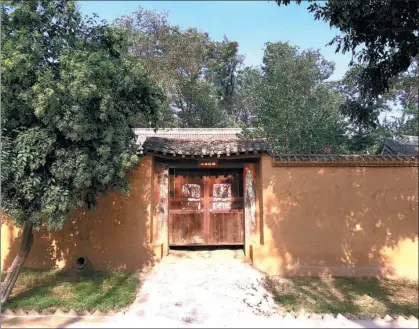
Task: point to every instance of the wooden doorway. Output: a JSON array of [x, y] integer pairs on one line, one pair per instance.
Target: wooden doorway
[[206, 207]]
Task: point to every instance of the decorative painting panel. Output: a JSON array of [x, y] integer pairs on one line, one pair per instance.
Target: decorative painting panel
[[221, 196], [191, 191], [250, 198], [162, 202], [192, 194]]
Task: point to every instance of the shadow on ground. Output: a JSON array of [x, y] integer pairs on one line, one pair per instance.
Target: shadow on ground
[[357, 296]]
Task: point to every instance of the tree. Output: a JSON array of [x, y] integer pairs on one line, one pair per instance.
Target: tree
[[184, 62], [403, 99], [408, 124], [223, 72], [198, 106], [405, 95], [297, 111], [247, 101], [70, 98], [174, 58], [382, 34], [362, 115]]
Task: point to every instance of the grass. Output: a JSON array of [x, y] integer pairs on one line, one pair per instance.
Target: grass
[[44, 290], [49, 290], [357, 296]]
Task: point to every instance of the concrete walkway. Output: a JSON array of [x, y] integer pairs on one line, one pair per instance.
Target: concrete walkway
[[194, 287]]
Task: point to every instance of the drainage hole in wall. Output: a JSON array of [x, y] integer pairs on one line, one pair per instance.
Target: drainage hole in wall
[[80, 262]]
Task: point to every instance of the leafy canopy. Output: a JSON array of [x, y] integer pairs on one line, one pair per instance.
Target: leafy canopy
[[71, 95], [362, 115], [382, 34], [405, 95], [296, 110], [198, 75]]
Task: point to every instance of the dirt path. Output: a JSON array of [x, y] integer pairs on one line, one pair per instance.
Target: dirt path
[[196, 286]]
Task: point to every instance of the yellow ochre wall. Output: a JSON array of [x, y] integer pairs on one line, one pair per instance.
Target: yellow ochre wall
[[310, 221], [338, 220], [116, 235]]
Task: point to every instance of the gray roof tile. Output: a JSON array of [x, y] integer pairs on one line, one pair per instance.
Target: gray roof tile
[[345, 160], [400, 145], [201, 147]]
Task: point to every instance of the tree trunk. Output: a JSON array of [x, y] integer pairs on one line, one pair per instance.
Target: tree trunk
[[16, 267]]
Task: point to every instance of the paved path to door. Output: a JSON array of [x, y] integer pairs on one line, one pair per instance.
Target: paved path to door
[[195, 287]]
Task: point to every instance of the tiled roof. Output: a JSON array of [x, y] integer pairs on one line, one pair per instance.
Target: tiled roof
[[208, 142], [202, 148], [204, 134], [197, 142], [400, 145], [346, 160]]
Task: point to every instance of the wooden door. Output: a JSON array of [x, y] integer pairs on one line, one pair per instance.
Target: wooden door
[[186, 208], [225, 211], [206, 207]]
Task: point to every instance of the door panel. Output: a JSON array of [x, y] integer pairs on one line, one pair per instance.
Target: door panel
[[186, 209], [206, 207], [186, 228], [226, 228], [226, 209]]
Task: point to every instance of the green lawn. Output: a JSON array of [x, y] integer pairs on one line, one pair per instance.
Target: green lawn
[[112, 290], [49, 290], [357, 296]]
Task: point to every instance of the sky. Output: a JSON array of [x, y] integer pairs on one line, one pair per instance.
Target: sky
[[250, 23]]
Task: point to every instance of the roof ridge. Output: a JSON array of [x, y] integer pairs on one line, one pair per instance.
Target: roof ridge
[[198, 130]]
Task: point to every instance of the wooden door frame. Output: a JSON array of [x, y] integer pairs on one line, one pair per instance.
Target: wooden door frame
[[206, 210], [207, 178], [237, 163]]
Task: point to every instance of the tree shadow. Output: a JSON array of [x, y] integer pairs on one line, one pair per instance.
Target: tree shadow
[[355, 296], [111, 293], [114, 236], [55, 292], [340, 221]]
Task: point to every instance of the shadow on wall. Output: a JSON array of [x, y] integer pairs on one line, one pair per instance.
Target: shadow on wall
[[340, 221], [115, 236]]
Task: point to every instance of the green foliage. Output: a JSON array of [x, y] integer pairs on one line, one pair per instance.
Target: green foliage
[[247, 101], [404, 94], [383, 35], [223, 72], [409, 123], [70, 97], [362, 114], [186, 63], [403, 98], [199, 106], [297, 111]]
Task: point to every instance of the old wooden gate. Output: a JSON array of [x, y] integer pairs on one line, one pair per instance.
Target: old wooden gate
[[206, 207]]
